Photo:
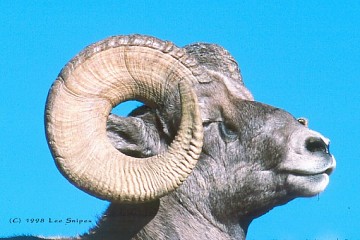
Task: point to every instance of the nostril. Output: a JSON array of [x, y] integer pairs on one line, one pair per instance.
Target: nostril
[[314, 144]]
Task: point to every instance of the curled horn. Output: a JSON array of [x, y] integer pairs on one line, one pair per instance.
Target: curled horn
[[80, 100]]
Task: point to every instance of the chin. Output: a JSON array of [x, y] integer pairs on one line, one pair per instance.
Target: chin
[[308, 186]]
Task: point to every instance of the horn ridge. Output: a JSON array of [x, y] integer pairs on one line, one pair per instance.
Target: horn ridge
[[101, 76]]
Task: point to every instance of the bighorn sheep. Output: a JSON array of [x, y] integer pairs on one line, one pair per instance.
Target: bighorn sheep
[[200, 160]]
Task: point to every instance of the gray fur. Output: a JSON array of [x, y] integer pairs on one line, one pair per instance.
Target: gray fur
[[240, 174]]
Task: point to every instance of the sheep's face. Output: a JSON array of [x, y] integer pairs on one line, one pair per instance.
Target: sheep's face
[[269, 157], [307, 162]]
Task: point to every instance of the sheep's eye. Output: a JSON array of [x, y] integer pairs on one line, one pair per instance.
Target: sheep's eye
[[228, 132]]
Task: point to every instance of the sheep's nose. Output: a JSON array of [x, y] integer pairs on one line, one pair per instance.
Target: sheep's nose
[[316, 144]]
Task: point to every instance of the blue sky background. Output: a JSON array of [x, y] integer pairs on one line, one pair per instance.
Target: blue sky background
[[303, 56]]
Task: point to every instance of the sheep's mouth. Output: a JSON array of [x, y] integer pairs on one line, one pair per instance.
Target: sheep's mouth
[[328, 171], [311, 167]]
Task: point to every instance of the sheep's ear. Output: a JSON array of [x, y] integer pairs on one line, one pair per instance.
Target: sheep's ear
[[133, 136]]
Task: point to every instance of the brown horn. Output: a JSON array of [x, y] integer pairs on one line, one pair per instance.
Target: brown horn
[[95, 81]]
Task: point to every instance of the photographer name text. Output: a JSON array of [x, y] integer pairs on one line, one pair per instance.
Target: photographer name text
[[66, 221]]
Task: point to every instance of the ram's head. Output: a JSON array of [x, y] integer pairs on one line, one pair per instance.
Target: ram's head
[[252, 156]]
